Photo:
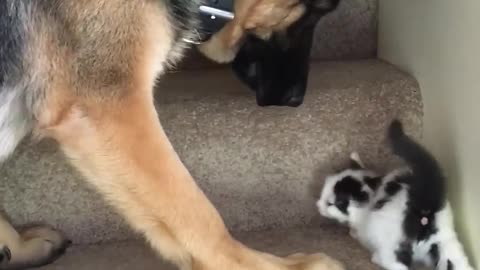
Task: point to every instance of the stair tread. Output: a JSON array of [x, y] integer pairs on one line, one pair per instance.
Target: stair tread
[[257, 165], [330, 239]]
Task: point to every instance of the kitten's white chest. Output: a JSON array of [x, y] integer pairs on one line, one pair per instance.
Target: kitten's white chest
[[383, 228]]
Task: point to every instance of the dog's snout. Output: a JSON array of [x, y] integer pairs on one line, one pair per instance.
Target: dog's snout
[[294, 100], [280, 94]]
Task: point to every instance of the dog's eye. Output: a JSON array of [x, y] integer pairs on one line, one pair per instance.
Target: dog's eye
[[330, 204]]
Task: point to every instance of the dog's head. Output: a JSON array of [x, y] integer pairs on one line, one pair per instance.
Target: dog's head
[[277, 68]]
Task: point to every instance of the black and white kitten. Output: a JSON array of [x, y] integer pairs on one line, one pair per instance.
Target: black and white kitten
[[404, 217]]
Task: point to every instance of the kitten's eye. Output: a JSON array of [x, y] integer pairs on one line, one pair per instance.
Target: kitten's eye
[[341, 204], [330, 204]]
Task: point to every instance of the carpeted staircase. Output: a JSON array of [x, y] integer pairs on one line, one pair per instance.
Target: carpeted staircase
[[262, 167]]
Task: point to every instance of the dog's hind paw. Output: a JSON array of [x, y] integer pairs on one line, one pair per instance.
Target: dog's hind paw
[[42, 245], [5, 255]]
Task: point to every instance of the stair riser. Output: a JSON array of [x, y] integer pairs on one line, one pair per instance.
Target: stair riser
[[348, 33]]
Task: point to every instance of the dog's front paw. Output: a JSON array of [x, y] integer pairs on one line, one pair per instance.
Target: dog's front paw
[[5, 255], [316, 261]]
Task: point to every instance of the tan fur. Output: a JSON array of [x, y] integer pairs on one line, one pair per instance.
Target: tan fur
[[259, 17], [98, 105]]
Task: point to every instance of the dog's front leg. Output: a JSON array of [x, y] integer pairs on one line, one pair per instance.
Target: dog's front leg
[[123, 151]]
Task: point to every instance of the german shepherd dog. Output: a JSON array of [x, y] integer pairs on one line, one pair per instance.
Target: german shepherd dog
[[82, 73]]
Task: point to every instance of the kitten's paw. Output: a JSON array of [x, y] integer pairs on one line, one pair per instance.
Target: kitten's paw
[[5, 255], [376, 259], [353, 234]]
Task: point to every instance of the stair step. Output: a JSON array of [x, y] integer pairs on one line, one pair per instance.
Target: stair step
[[259, 166], [330, 239]]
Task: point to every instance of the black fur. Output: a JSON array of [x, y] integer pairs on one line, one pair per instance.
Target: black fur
[[405, 254], [450, 265], [434, 254], [346, 189], [380, 204], [12, 38], [277, 69], [426, 192], [373, 182], [392, 188], [184, 16]]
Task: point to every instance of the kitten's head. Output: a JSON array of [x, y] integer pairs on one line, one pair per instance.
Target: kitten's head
[[347, 190]]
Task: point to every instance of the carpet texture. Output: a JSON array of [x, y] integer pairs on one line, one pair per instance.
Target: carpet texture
[[262, 167], [329, 239]]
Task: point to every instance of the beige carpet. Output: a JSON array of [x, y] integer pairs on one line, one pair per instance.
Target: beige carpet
[[261, 167], [329, 239]]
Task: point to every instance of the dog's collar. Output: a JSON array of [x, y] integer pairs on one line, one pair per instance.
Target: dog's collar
[[214, 14]]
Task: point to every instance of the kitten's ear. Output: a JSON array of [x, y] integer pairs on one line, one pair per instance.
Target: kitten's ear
[[355, 165], [355, 161]]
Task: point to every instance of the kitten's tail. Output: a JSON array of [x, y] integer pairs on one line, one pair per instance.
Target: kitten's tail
[[428, 176]]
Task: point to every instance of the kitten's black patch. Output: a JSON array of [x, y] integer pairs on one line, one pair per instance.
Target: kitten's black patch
[[434, 254], [405, 254], [427, 230], [392, 188], [348, 189], [450, 265], [380, 204], [352, 188], [373, 182], [414, 229]]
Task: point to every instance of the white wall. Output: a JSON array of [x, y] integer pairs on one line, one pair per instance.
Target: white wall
[[438, 41]]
